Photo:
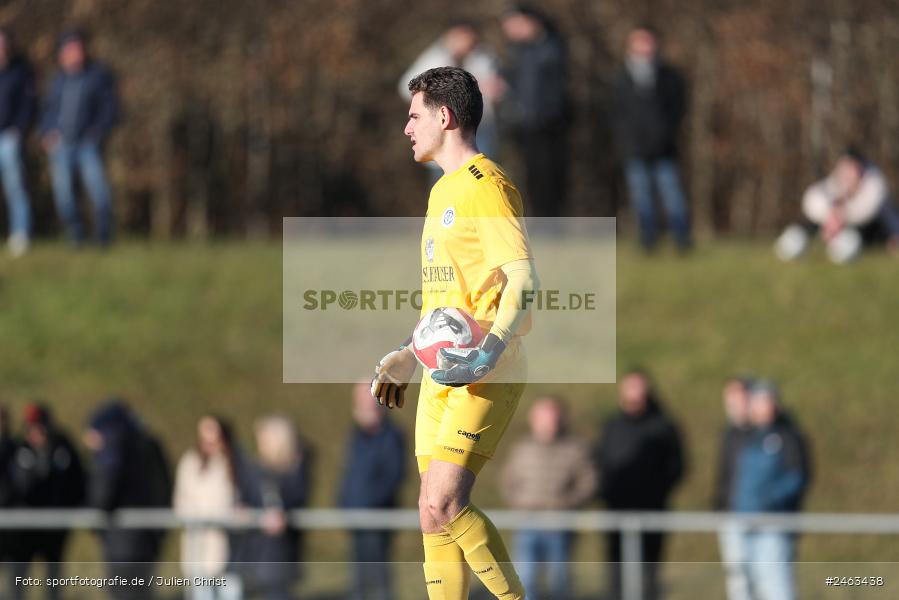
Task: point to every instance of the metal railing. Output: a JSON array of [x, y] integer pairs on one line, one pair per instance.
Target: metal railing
[[631, 525]]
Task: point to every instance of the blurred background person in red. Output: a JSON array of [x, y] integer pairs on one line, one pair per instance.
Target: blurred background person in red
[[849, 208], [267, 560], [373, 474], [17, 110], [641, 460], [81, 109], [204, 488], [46, 473], [733, 439], [649, 103], [130, 470], [536, 108], [549, 469]]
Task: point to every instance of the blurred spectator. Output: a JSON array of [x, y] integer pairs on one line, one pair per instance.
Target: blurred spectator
[[372, 478], [773, 472], [80, 111], [46, 473], [641, 460], [851, 206], [536, 106], [734, 438], [649, 103], [130, 470], [204, 488], [460, 46], [550, 469], [268, 559], [17, 109]]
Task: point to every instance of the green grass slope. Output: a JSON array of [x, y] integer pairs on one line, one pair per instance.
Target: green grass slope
[[180, 330]]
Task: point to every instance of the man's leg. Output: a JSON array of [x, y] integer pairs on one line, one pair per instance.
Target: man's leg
[[62, 172], [93, 173], [613, 564], [447, 575], [14, 189], [775, 555], [733, 557], [667, 180], [558, 555], [639, 186], [448, 502], [527, 559]]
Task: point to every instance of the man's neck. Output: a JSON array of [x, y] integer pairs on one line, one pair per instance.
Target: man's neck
[[454, 156]]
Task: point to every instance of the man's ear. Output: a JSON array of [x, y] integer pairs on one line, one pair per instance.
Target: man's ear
[[447, 118]]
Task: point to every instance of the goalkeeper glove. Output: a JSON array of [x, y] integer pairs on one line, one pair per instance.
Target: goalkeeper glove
[[392, 375], [461, 366]]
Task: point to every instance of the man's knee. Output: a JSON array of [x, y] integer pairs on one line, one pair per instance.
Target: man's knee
[[443, 507]]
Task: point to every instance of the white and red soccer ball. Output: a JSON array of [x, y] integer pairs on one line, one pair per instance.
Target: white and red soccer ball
[[445, 327]]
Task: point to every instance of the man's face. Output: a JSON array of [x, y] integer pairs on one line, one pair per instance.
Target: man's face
[[521, 28], [642, 44], [546, 421], [36, 435], [762, 409], [71, 56], [736, 403], [425, 129], [460, 41], [366, 412], [632, 394]]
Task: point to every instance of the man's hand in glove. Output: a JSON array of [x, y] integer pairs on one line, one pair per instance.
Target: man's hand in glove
[[461, 366], [392, 376]]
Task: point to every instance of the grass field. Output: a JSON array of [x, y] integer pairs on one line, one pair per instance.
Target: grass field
[[183, 329]]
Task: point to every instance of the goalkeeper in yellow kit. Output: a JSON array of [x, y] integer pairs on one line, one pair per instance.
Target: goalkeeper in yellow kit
[[475, 256]]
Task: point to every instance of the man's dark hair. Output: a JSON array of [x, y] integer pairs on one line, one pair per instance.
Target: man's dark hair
[[454, 88]]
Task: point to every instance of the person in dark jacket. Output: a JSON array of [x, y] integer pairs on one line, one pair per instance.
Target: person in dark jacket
[[773, 473], [536, 107], [641, 459], [267, 560], [648, 106], [734, 438], [130, 470], [46, 473], [80, 110], [372, 478], [17, 110]]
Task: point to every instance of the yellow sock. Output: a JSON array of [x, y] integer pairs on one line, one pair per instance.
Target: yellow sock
[[486, 553], [446, 572]]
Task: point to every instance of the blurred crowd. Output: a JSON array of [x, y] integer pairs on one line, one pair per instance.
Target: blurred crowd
[[527, 107], [635, 463]]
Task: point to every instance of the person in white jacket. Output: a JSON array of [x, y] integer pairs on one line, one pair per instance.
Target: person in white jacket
[[205, 489], [849, 207], [460, 46]]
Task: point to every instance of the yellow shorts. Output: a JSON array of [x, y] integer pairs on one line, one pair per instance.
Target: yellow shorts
[[464, 425]]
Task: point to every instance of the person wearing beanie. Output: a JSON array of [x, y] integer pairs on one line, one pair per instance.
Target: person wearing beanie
[[772, 475], [80, 111], [46, 473]]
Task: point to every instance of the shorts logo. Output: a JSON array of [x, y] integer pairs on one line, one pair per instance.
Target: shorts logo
[[481, 572], [453, 450], [449, 217], [434, 582], [476, 437], [429, 249]]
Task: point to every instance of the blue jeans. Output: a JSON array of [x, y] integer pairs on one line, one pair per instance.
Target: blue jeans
[[12, 172], [662, 174], [551, 547], [771, 555], [87, 158]]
